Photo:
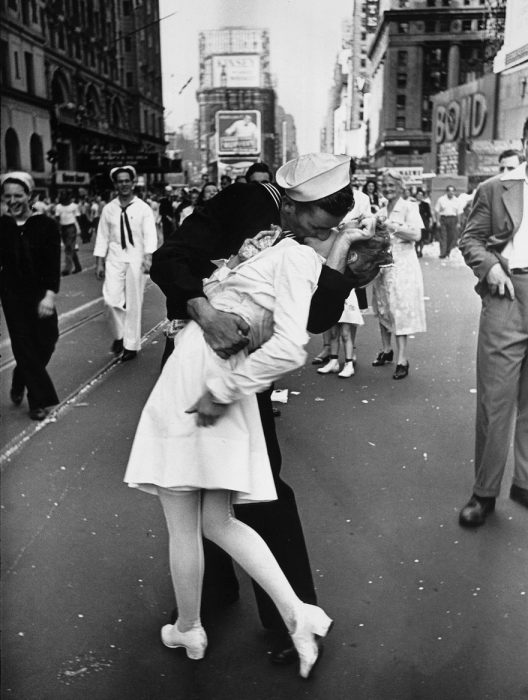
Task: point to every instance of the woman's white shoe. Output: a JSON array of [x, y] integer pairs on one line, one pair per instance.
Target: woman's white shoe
[[311, 623], [194, 641], [348, 370], [332, 366]]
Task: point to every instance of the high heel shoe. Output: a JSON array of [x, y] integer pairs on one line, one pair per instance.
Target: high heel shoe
[[311, 623], [194, 641], [332, 366], [401, 371], [383, 358], [322, 358]]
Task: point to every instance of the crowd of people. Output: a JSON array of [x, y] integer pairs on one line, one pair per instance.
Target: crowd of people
[[285, 251]]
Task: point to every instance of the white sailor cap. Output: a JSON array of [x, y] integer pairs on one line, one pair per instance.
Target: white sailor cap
[[314, 176], [123, 169], [21, 177]]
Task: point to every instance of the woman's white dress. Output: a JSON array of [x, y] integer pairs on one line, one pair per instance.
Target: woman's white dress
[[272, 292], [398, 292]]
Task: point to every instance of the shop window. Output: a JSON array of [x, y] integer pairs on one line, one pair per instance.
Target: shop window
[[36, 152], [12, 150]]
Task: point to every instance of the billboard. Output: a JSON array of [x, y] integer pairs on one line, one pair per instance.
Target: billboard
[[238, 133], [236, 70]]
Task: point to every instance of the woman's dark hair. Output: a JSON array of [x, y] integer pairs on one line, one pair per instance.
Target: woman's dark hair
[[338, 203], [367, 183], [202, 191]]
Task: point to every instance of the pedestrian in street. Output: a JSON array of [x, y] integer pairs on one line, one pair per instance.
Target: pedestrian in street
[[259, 172], [30, 257], [194, 193], [397, 292], [126, 239], [67, 213], [208, 191], [427, 217], [370, 188], [495, 246], [447, 211], [217, 231]]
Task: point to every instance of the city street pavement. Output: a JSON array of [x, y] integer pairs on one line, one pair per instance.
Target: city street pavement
[[423, 609]]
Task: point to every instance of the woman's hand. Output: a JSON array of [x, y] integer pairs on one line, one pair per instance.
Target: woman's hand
[[208, 412]]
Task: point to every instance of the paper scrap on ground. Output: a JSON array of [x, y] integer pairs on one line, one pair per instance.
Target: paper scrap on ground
[[280, 395]]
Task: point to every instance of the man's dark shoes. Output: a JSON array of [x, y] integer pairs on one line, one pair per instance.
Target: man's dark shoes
[[38, 413], [285, 656], [476, 510], [519, 495], [383, 358], [16, 395], [117, 346], [401, 371], [128, 355]]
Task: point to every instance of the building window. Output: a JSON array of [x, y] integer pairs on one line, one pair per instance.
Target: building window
[[402, 59], [127, 8], [400, 122], [431, 3], [128, 43], [430, 27], [12, 150], [444, 26], [129, 79], [13, 5], [466, 25], [25, 12], [401, 80], [446, 3], [17, 66], [4, 63], [401, 101], [403, 27], [145, 121], [36, 153], [30, 73]]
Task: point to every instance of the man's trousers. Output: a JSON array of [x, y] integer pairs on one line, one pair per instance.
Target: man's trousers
[[123, 289], [33, 341], [502, 389]]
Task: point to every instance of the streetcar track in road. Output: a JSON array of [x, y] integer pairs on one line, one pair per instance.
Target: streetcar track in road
[[16, 443]]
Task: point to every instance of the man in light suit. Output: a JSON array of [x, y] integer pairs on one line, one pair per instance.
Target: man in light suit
[[495, 246]]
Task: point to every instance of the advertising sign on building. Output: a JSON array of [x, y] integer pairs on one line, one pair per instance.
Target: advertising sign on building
[[236, 70], [238, 133]]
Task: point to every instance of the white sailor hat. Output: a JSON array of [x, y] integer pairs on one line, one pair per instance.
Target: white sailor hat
[[21, 177], [314, 176], [123, 169]]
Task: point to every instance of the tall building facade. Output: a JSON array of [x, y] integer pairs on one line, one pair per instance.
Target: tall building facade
[[237, 102], [423, 47], [81, 88], [345, 129]]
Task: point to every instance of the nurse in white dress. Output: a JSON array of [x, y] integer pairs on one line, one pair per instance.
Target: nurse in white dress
[[199, 462]]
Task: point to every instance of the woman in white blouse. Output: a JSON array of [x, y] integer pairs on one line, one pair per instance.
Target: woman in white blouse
[[397, 297]]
